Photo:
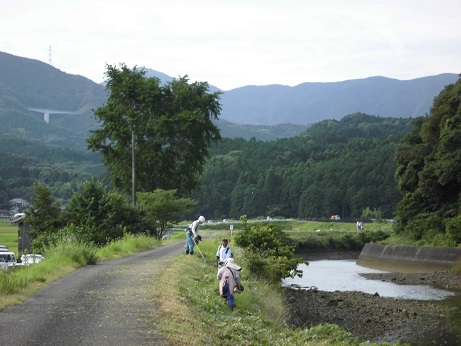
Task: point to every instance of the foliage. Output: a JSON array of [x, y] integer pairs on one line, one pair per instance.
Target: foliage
[[127, 245], [94, 215], [162, 208], [64, 255], [44, 215], [334, 167], [268, 251], [189, 298], [429, 170], [369, 214], [23, 162], [171, 125], [100, 216]]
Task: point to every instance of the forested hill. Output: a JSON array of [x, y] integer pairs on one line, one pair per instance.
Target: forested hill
[[27, 83], [23, 162], [335, 167]]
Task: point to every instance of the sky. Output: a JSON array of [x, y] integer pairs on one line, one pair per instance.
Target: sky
[[234, 43]]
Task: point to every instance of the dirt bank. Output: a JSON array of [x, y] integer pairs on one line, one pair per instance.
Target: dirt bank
[[370, 317]]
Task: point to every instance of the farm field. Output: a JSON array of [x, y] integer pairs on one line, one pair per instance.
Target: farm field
[[9, 235]]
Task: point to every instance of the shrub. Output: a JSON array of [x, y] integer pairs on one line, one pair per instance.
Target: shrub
[[267, 251]]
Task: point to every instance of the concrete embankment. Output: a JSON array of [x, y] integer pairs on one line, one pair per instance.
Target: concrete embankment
[[399, 258]]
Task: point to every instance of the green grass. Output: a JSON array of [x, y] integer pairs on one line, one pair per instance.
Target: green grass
[[189, 301], [126, 246], [9, 235], [302, 227], [18, 284]]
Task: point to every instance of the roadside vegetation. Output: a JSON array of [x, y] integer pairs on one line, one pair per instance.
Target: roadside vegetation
[[60, 260], [187, 295]]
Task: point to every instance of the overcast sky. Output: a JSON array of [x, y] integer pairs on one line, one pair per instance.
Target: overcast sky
[[233, 43]]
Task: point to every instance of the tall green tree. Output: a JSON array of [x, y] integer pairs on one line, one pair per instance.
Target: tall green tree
[[172, 125], [44, 214], [429, 169], [163, 208]]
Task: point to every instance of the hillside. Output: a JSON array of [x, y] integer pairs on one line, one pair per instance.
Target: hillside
[[334, 167], [274, 111], [309, 103]]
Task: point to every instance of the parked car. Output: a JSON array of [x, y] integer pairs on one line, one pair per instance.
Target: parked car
[[335, 218], [7, 260], [29, 259]]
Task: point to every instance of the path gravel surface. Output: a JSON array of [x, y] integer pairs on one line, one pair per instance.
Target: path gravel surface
[[104, 304]]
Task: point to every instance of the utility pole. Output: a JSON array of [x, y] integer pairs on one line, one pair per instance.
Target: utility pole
[[133, 175]]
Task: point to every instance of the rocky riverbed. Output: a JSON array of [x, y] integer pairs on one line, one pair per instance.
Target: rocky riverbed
[[370, 317]]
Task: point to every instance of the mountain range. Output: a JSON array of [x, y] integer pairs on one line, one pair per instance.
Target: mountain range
[[264, 112]]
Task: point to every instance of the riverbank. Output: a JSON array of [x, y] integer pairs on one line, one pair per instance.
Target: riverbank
[[370, 317]]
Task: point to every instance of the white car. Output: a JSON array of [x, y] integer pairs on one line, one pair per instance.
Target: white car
[[7, 260], [29, 259]]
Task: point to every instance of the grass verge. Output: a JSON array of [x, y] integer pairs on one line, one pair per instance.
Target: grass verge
[[20, 283], [192, 312]]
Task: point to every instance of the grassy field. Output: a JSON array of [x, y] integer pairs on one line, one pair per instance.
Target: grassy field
[[301, 227], [9, 235]]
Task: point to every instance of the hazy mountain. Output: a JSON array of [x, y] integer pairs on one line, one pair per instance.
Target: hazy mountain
[[274, 111], [26, 83], [309, 103]]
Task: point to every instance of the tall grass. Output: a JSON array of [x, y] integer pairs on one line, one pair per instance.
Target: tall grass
[[127, 245], [19, 283], [193, 313]]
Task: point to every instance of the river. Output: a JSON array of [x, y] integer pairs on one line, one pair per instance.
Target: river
[[344, 275]]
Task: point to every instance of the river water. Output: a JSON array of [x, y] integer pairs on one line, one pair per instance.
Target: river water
[[344, 275]]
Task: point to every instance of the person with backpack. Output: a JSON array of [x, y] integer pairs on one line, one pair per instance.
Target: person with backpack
[[224, 252], [192, 236], [229, 281]]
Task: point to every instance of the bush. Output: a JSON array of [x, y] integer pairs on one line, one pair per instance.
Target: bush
[[453, 229], [267, 250]]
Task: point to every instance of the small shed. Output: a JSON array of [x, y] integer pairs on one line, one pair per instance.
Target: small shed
[[24, 239]]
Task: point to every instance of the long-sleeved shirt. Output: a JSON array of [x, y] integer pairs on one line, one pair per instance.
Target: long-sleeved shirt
[[223, 253], [228, 275]]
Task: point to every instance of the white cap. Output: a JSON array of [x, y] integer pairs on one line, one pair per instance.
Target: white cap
[[230, 263], [201, 219]]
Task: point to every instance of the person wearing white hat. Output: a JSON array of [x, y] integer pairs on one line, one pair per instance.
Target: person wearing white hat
[[229, 280], [192, 235]]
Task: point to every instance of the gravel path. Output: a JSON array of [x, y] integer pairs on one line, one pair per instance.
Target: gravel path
[[106, 304]]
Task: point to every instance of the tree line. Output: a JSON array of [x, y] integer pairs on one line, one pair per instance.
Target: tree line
[[334, 167]]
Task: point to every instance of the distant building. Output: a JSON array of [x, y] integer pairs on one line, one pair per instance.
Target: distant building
[[18, 205]]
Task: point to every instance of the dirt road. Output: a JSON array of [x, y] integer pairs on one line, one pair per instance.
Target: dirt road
[[105, 304]]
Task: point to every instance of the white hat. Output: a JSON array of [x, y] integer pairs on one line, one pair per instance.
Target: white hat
[[230, 263], [201, 219]]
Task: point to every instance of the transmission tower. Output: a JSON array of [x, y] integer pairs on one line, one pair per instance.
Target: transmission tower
[[50, 61]]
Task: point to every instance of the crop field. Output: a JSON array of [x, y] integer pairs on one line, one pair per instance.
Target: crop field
[[9, 235]]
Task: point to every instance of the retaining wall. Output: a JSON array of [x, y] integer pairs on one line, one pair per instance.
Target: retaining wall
[[399, 258]]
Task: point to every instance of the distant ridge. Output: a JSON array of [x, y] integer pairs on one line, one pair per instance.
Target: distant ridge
[[274, 111], [309, 103]]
